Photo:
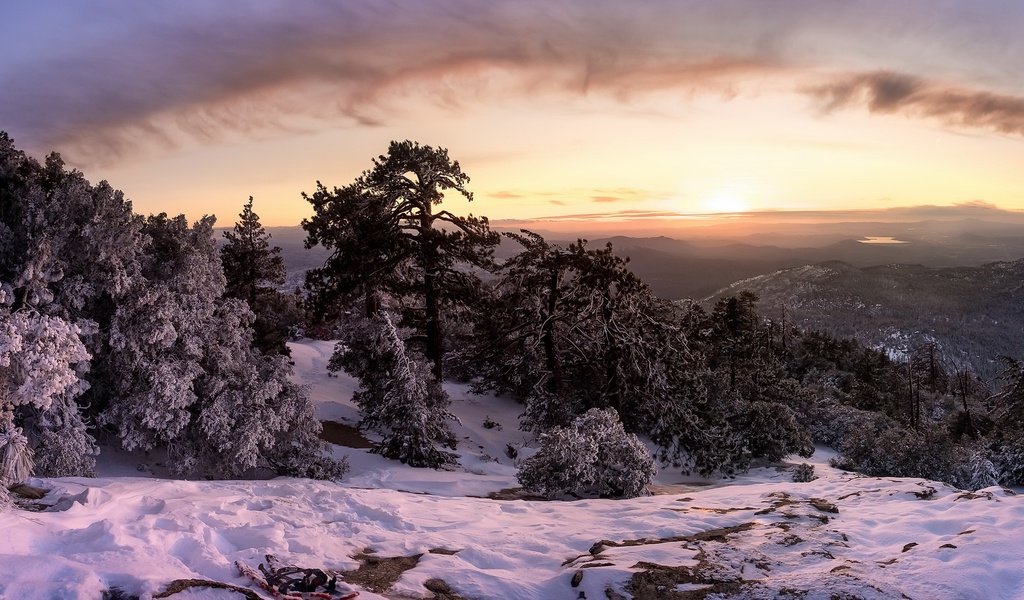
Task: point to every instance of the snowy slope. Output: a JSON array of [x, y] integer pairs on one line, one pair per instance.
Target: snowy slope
[[759, 536], [142, 533]]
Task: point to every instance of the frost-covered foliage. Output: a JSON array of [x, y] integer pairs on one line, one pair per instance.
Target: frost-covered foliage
[[803, 473], [189, 378], [15, 457], [593, 456], [158, 333], [172, 361], [979, 471], [1009, 461], [397, 394], [249, 414], [38, 359], [40, 368]]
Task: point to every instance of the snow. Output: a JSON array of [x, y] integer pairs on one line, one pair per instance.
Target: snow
[[141, 532]]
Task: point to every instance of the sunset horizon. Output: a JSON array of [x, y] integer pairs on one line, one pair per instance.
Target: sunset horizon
[[578, 109]]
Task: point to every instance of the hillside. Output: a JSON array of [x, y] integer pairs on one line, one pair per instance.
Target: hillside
[[394, 532], [973, 313]]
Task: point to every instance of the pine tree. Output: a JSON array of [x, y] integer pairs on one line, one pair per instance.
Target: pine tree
[[397, 395], [523, 332], [417, 250], [573, 328], [251, 415], [367, 251], [253, 270]]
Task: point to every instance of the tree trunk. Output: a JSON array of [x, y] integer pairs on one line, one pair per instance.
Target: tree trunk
[[611, 371], [370, 303], [553, 365], [433, 315]]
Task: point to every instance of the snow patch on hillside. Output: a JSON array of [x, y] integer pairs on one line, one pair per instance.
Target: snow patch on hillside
[[752, 537]]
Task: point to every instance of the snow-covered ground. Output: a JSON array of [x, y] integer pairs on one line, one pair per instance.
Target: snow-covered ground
[[759, 536]]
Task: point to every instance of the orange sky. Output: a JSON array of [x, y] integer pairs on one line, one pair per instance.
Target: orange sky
[[582, 109]]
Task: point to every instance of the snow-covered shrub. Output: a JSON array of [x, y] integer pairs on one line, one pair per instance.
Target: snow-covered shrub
[[397, 395], [593, 456], [1009, 461], [566, 463], [15, 457], [979, 471], [803, 473]]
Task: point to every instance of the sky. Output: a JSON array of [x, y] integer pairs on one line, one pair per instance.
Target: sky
[[560, 112]]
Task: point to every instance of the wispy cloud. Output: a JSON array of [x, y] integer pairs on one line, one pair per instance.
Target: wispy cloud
[[975, 209], [150, 74], [505, 195], [204, 70]]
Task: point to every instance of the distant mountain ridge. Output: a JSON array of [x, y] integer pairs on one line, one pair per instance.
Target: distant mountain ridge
[[975, 314], [955, 294], [696, 268]]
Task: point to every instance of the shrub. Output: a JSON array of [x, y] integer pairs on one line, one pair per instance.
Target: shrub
[[897, 452], [773, 433], [593, 456], [803, 473]]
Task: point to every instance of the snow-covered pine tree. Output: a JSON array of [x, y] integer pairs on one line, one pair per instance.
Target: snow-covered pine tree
[[594, 456], [189, 379], [157, 333], [397, 394], [251, 414], [70, 248]]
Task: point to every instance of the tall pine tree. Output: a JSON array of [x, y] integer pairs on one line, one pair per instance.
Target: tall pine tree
[[253, 269], [420, 251]]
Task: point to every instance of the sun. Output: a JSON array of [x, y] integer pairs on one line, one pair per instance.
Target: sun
[[725, 201]]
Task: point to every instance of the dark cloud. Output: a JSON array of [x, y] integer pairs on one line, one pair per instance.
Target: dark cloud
[[206, 70], [887, 92], [110, 77]]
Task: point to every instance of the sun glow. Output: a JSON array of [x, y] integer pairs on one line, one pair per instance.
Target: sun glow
[[725, 204], [730, 199]]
